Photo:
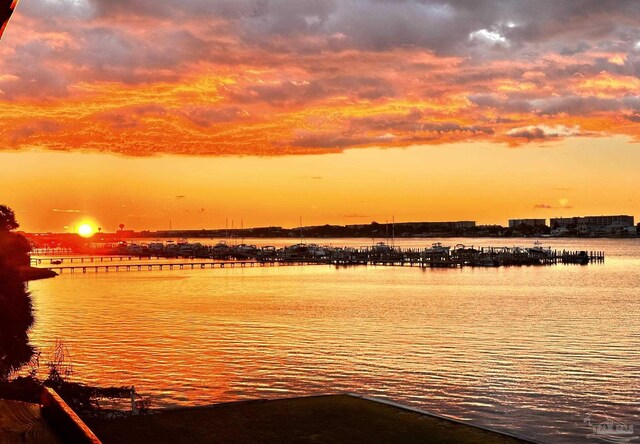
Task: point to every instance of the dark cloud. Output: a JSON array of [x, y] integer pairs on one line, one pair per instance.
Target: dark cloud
[[32, 72], [572, 104], [575, 105], [501, 102], [137, 41], [442, 26], [402, 129], [415, 123], [634, 117]]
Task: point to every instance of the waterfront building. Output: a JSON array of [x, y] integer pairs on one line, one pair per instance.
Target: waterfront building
[[453, 225], [598, 225], [514, 223], [594, 222], [464, 224]]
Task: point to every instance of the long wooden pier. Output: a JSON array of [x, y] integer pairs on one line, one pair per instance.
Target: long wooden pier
[[159, 266], [35, 261]]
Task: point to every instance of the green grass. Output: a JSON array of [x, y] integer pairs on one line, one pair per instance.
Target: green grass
[[323, 419]]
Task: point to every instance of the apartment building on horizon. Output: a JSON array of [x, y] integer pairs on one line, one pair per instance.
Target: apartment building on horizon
[[515, 223]]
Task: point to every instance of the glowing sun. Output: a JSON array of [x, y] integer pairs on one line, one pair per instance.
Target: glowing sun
[[85, 230]]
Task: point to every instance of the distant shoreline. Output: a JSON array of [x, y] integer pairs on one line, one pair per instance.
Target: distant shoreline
[[377, 238], [114, 237]]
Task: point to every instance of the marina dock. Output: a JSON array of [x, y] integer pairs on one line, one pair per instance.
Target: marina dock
[[436, 256], [445, 257]]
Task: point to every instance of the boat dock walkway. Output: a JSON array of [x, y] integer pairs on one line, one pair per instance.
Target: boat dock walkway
[[177, 265], [35, 261]]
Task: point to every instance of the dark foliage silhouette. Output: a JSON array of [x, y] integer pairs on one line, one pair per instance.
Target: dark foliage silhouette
[[16, 315], [7, 219]]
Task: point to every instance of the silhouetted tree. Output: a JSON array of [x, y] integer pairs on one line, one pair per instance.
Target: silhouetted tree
[[7, 219], [16, 318], [16, 314], [14, 249]]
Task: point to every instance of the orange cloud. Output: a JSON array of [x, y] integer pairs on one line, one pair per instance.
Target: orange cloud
[[219, 78]]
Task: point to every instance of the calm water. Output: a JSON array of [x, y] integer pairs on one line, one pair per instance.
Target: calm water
[[531, 350]]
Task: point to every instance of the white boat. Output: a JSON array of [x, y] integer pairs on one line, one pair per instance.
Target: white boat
[[381, 247], [317, 251], [538, 249], [246, 249], [437, 248]]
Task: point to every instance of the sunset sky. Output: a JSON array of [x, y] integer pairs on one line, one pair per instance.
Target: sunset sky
[[144, 112]]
